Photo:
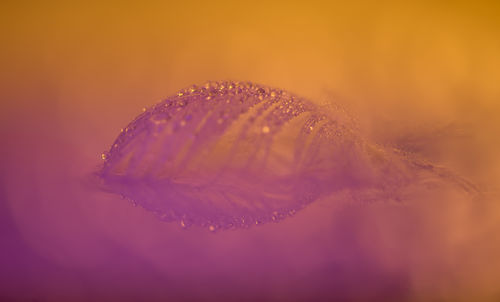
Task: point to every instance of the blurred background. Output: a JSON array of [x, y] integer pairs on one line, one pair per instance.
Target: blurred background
[[420, 75]]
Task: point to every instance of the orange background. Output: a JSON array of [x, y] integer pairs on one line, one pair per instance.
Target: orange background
[[412, 63]]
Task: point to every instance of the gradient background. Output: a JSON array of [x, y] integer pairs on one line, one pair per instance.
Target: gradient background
[[424, 75]]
